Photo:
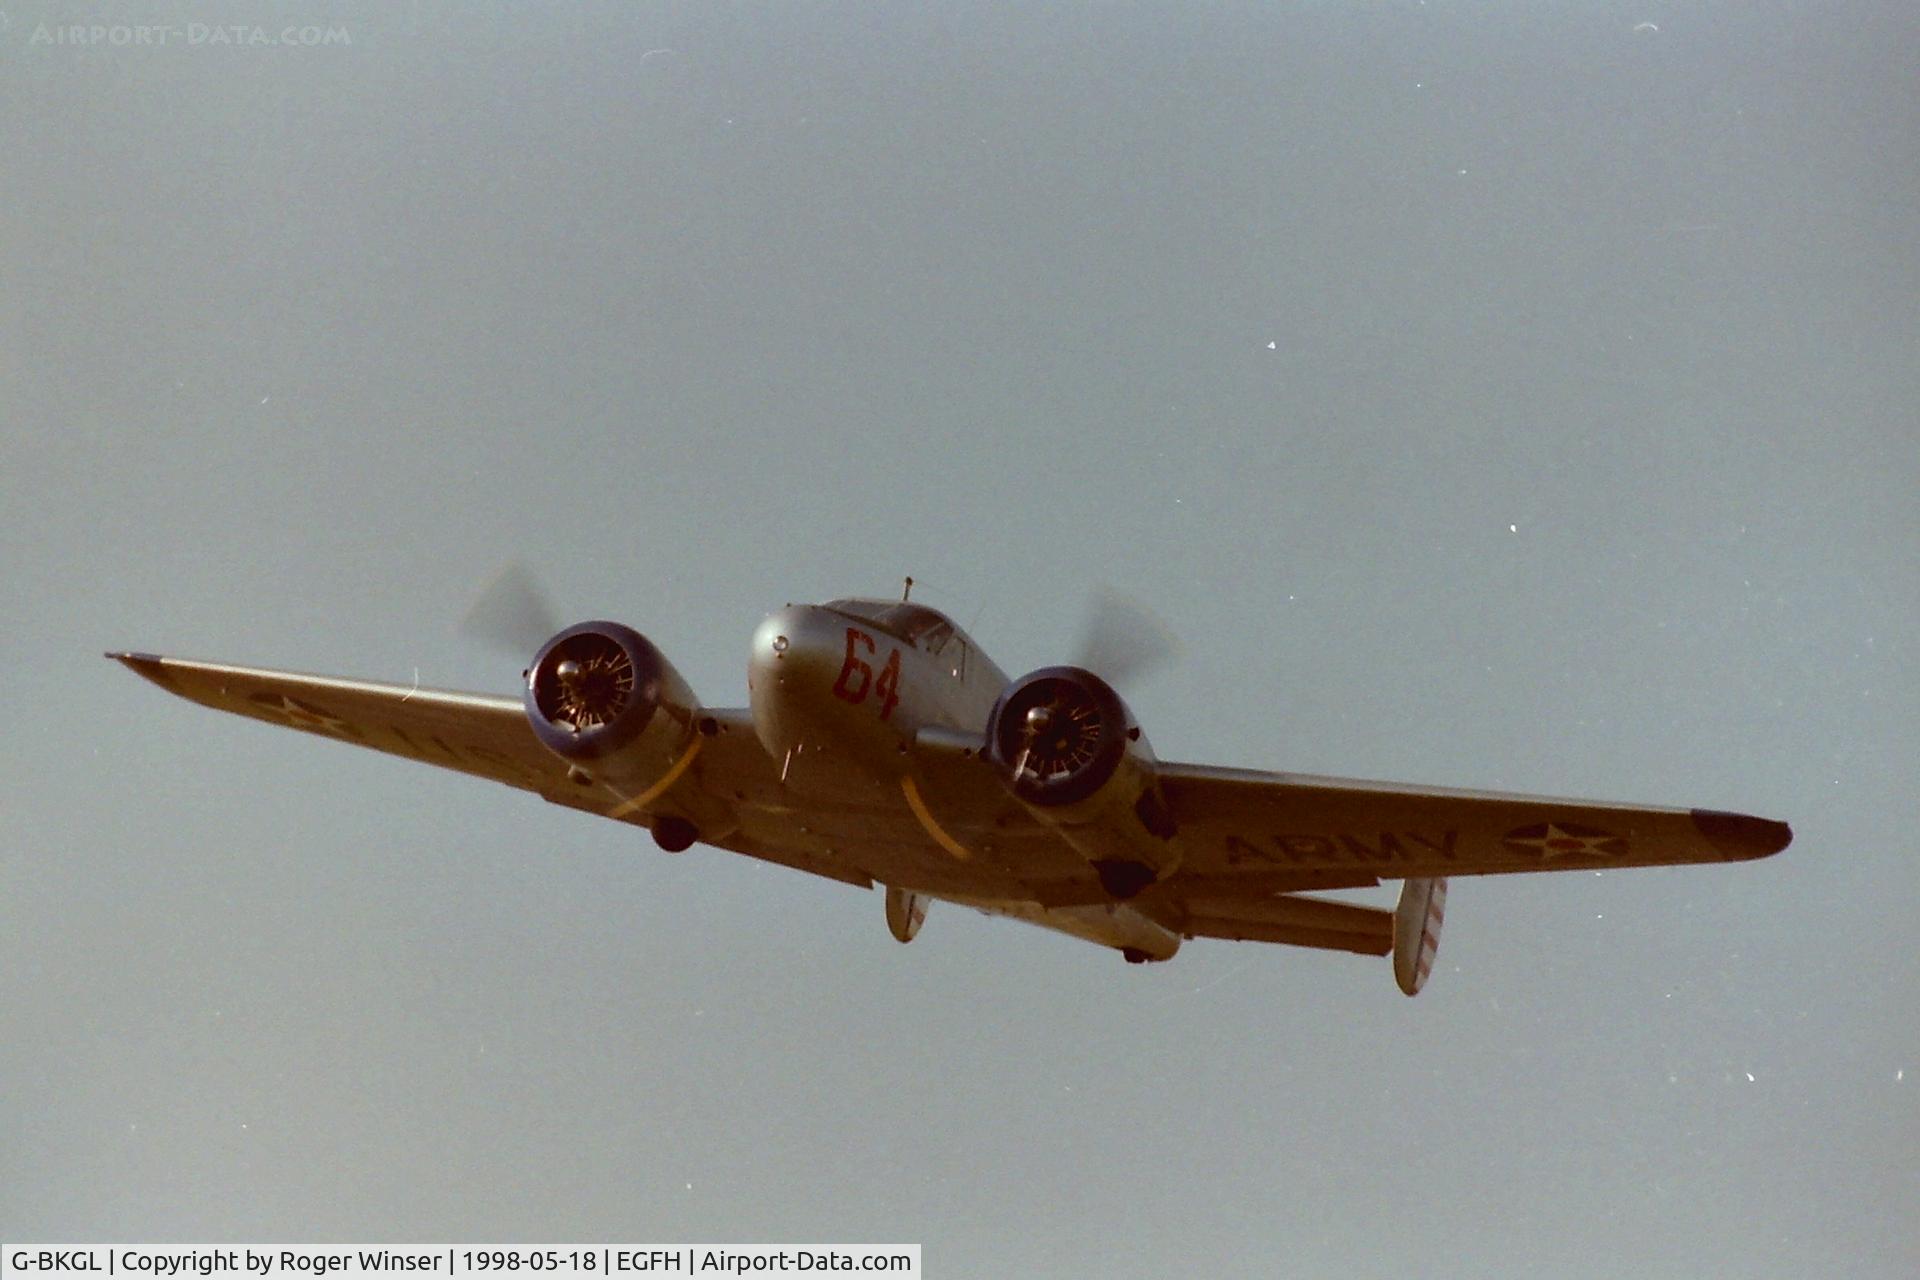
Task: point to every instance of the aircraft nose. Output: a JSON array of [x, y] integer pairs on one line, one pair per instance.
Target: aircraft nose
[[792, 653], [781, 642]]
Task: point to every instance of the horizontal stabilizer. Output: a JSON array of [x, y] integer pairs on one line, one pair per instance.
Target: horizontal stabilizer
[[1293, 919]]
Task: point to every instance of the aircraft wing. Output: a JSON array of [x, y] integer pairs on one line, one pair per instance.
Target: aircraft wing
[[1243, 827], [489, 737], [473, 733]]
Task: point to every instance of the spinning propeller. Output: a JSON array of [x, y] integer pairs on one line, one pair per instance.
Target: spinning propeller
[[513, 613], [1063, 722], [1122, 641]]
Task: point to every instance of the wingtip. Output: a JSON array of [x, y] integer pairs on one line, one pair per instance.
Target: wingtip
[[149, 665], [1740, 835]]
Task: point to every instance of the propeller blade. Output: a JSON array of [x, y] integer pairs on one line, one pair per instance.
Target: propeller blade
[[1123, 640], [512, 613]]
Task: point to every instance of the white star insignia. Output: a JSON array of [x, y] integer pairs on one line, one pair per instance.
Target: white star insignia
[[1559, 842], [304, 716]]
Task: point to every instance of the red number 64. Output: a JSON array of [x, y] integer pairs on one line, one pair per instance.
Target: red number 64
[[888, 686]]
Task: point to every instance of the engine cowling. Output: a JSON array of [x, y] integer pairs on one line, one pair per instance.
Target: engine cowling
[[602, 696], [1068, 748]]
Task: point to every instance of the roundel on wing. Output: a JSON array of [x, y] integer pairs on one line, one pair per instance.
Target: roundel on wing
[[1549, 840], [301, 714]]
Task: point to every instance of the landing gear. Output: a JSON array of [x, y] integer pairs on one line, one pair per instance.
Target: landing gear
[[674, 834], [1134, 955]]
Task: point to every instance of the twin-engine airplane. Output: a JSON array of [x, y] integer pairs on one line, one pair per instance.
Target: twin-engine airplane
[[882, 746]]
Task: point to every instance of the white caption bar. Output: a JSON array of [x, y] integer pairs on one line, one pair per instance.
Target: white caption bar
[[465, 1261]]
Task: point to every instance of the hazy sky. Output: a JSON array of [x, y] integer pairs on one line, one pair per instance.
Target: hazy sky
[[1500, 395]]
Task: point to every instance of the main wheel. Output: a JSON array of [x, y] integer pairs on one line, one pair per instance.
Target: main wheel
[[674, 834]]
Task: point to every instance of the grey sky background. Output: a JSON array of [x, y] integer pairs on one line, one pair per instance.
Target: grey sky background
[[1493, 395]]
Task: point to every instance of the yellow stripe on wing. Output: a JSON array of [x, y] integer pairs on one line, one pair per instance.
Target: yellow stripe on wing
[[940, 837], [659, 788]]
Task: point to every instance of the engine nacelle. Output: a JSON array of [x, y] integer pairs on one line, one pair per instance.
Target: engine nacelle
[[1068, 748], [601, 695]]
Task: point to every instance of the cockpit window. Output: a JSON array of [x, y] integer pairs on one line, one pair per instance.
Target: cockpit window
[[956, 653], [923, 628], [934, 638]]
